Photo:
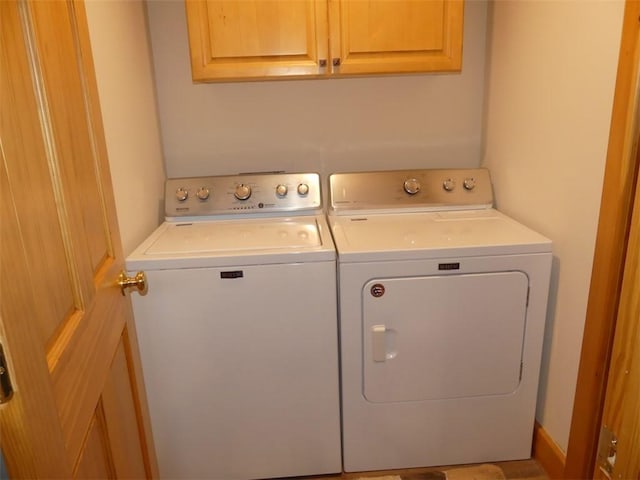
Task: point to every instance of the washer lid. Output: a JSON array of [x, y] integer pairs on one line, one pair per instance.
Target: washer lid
[[432, 235], [208, 237], [226, 242]]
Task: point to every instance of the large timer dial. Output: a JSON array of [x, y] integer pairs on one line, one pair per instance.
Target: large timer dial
[[242, 191]]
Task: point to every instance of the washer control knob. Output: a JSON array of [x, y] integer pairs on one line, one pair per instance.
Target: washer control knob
[[242, 191], [203, 193], [281, 190], [449, 184], [303, 189], [469, 183], [412, 186], [182, 194]]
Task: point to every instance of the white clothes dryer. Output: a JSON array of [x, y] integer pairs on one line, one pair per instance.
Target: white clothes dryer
[[238, 332], [442, 311]]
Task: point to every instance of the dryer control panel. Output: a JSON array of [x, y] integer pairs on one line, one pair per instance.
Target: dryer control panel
[[412, 190], [242, 194]]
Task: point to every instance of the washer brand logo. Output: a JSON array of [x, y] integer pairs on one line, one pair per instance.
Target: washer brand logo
[[377, 290], [449, 266], [232, 274]]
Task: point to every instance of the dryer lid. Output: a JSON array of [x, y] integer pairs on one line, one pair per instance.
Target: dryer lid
[[432, 235]]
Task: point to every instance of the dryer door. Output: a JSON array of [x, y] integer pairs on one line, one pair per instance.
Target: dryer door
[[439, 337]]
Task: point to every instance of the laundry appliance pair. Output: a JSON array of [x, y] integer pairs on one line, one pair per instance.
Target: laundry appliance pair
[[413, 297]]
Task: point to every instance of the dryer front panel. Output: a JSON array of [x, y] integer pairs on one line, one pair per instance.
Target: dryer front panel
[[443, 336]]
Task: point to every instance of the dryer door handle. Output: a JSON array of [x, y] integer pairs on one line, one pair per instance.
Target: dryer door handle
[[379, 343]]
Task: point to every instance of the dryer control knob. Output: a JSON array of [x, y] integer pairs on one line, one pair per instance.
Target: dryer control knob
[[182, 194], [203, 193], [412, 186], [449, 184], [303, 189], [242, 191], [281, 190], [469, 183]]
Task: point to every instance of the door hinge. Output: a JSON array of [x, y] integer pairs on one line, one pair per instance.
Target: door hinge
[[607, 450], [6, 390]]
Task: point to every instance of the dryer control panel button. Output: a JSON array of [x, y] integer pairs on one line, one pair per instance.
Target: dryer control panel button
[[449, 184], [412, 186], [469, 183]]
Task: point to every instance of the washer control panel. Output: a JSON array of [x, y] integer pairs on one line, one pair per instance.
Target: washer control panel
[[435, 189], [242, 194]]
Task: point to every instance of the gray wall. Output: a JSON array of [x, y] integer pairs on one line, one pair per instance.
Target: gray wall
[[318, 125]]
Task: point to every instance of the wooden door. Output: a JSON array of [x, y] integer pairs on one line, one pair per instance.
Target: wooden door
[[621, 414], [402, 36], [254, 39], [79, 408]]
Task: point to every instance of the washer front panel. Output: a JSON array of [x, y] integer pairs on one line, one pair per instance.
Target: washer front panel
[[241, 371]]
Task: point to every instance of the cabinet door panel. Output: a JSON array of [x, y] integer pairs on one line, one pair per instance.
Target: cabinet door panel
[[255, 39], [395, 26], [257, 29], [378, 36]]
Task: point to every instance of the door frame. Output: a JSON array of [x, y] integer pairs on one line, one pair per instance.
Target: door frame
[[619, 189]]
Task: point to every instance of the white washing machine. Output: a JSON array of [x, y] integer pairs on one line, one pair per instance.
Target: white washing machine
[[238, 331], [442, 311]]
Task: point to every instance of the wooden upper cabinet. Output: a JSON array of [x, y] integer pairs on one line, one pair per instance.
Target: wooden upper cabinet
[[271, 39], [257, 39]]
